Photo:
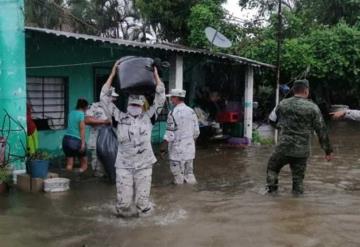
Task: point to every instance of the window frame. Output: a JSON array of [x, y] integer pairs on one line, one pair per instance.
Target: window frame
[[66, 98]]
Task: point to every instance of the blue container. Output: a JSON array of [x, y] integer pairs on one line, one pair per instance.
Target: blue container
[[39, 168]]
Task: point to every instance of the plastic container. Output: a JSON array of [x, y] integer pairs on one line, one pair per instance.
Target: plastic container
[[56, 184], [136, 75], [39, 168]]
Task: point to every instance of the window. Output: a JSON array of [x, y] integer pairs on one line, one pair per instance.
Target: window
[[47, 98]]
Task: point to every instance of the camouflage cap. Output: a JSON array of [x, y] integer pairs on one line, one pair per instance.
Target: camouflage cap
[[136, 100], [303, 82]]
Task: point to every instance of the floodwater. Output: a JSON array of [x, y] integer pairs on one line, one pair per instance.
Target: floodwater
[[227, 208]]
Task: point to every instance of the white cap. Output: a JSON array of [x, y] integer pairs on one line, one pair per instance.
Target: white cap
[[136, 99], [177, 92], [113, 93]]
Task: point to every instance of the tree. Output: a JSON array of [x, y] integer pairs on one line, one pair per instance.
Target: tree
[[42, 13], [331, 53], [328, 12], [167, 17], [206, 13], [109, 18]]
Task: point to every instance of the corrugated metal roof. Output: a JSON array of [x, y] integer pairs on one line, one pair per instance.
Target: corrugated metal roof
[[159, 46]]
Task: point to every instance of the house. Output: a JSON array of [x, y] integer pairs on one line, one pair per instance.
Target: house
[[51, 69]]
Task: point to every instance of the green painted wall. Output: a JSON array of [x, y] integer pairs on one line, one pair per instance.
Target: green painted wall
[[12, 78], [46, 49]]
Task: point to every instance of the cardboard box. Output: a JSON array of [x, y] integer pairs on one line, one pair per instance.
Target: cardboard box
[[23, 182], [27, 184], [37, 185]]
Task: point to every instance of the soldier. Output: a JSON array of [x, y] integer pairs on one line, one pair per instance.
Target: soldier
[[182, 130], [297, 118], [135, 156], [96, 116]]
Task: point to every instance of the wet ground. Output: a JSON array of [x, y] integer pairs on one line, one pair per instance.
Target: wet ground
[[227, 208]]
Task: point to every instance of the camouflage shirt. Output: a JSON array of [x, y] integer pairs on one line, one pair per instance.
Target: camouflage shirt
[[134, 133], [97, 111], [182, 130], [353, 115], [298, 118]]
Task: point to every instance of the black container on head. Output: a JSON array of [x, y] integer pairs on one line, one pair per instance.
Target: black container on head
[[136, 75]]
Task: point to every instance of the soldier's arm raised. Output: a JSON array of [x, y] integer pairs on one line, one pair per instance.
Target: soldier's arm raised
[[159, 99], [109, 80]]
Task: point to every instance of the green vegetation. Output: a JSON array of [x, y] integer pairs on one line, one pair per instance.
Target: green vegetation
[[5, 174], [322, 37]]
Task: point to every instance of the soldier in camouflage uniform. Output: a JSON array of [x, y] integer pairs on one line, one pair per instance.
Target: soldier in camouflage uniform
[[96, 116], [135, 157], [181, 132], [297, 118]]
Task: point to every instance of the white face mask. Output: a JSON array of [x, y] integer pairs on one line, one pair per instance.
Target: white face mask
[[134, 110]]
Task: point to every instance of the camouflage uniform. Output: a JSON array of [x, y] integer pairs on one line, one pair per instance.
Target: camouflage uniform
[[182, 130], [135, 156], [297, 118], [97, 111]]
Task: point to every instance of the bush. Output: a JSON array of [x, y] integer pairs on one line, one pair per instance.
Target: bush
[[5, 174]]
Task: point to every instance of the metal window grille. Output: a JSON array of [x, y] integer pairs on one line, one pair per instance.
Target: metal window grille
[[47, 97]]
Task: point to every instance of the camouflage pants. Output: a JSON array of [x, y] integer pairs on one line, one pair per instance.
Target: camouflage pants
[[96, 165], [133, 187], [183, 171], [297, 165]]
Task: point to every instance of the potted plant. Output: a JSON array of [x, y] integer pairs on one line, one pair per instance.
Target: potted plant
[[37, 164], [5, 178]]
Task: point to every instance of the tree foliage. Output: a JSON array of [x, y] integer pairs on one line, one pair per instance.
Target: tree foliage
[[328, 12], [109, 18], [42, 13], [209, 13], [331, 53], [167, 17]]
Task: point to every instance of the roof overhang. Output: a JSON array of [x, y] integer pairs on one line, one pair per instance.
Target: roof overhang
[[158, 46]]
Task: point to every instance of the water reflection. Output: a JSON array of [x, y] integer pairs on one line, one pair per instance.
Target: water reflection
[[227, 208]]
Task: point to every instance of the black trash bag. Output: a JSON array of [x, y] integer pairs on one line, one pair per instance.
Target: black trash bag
[[136, 75], [106, 149]]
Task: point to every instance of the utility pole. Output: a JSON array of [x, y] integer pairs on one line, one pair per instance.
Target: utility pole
[[278, 62]]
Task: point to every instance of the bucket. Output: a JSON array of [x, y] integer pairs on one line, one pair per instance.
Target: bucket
[[39, 168]]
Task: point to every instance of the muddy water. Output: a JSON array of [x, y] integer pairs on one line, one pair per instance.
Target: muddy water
[[227, 208]]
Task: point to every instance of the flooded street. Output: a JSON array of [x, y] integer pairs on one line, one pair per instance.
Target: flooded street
[[227, 208]]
